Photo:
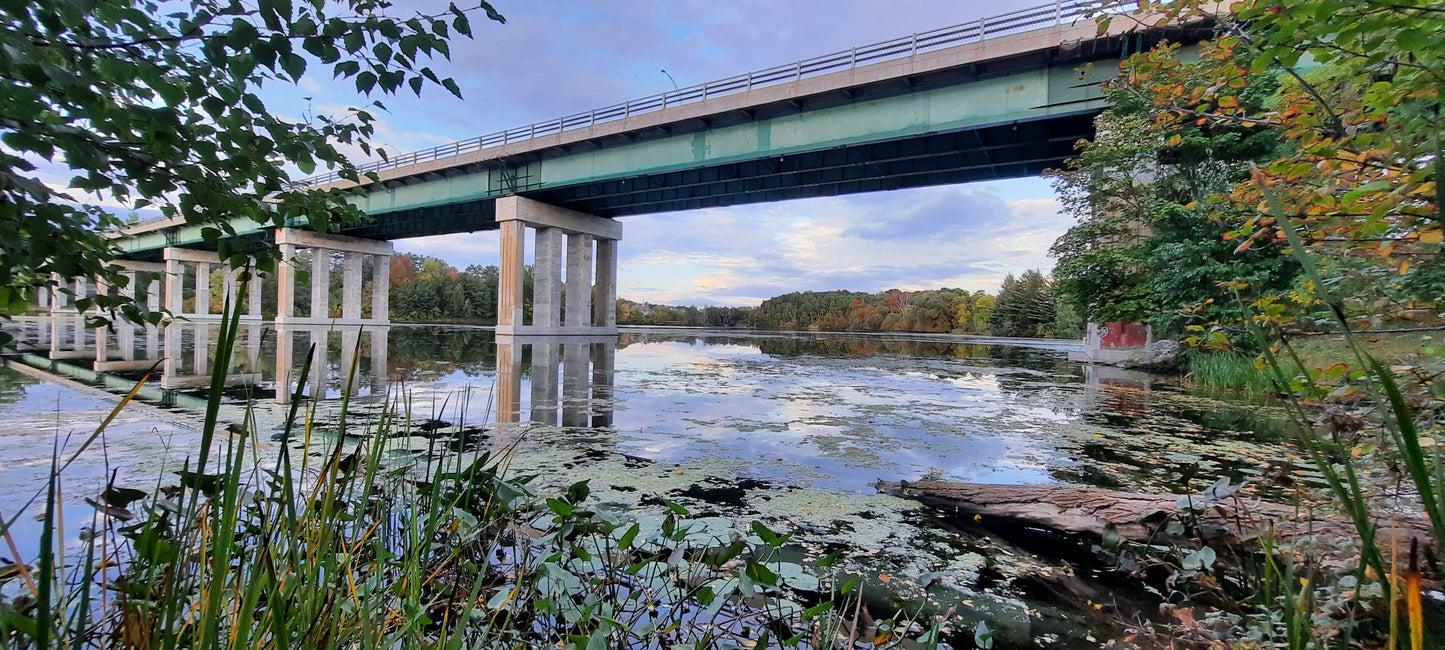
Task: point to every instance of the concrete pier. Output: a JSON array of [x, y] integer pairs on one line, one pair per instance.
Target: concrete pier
[[590, 242], [355, 250]]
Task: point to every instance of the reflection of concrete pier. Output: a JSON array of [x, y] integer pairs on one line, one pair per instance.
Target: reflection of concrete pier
[[183, 352], [370, 366], [582, 395]]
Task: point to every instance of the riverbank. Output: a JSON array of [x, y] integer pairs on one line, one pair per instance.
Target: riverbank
[[788, 429]]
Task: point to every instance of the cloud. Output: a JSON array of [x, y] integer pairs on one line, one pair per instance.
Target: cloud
[[961, 236], [942, 214], [557, 57]]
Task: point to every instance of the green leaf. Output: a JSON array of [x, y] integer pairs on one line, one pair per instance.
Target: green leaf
[[1414, 39], [560, 507], [295, 66], [365, 82], [628, 537], [982, 636], [577, 492]]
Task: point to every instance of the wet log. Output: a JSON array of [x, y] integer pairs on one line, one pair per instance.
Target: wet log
[[1139, 517]]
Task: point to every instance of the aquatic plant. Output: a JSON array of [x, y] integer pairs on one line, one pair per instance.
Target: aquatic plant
[[1228, 370], [359, 546]]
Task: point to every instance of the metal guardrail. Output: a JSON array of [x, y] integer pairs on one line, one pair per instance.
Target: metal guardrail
[[1054, 13]]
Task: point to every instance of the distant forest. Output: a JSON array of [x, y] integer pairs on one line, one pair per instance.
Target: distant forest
[[429, 289]]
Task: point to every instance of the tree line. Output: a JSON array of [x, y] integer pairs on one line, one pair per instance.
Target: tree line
[[425, 288]]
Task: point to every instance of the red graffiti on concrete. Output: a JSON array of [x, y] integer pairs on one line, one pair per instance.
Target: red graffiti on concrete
[[1119, 334]]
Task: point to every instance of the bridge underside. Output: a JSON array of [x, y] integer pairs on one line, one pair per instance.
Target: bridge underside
[[994, 152]]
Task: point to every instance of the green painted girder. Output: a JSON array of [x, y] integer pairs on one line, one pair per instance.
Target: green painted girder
[[1021, 96], [1025, 95]]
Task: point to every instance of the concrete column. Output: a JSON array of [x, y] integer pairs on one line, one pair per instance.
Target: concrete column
[[604, 374], [153, 294], [320, 343], [42, 298], [579, 280], [153, 342], [203, 289], [351, 279], [547, 280], [604, 311], [232, 289], [350, 339], [283, 365], [254, 334], [125, 340], [172, 365], [102, 334], [320, 283], [513, 215], [201, 352], [253, 298], [381, 289], [286, 285], [509, 289], [57, 295], [175, 283], [379, 370]]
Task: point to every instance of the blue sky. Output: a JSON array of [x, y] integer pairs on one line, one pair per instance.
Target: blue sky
[[555, 57]]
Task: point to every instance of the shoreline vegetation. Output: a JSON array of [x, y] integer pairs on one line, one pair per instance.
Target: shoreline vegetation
[[428, 289]]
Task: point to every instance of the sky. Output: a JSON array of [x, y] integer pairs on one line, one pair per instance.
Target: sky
[[556, 57]]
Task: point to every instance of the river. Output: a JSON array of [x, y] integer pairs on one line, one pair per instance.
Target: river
[[790, 428]]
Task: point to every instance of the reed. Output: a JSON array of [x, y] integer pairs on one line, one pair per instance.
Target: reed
[[356, 550], [1228, 371]]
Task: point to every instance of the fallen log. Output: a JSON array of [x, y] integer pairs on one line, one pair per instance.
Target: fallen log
[[1138, 517]]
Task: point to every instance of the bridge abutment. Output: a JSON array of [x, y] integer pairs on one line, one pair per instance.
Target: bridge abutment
[[569, 306]]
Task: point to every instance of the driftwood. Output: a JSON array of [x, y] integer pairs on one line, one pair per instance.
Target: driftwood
[[1089, 512]]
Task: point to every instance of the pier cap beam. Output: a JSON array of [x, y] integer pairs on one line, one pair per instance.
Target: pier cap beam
[[539, 214]]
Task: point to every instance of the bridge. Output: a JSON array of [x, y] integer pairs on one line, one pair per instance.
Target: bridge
[[1005, 96]]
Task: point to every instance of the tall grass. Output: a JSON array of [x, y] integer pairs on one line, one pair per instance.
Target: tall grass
[[349, 550], [1229, 371], [1425, 471]]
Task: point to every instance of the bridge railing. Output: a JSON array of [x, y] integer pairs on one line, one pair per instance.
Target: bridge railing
[[1013, 22]]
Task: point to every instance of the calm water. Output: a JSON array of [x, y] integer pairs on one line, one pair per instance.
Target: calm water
[[792, 429]]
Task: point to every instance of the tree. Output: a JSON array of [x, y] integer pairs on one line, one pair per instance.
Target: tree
[[1025, 306], [157, 105], [1354, 96], [1146, 247]]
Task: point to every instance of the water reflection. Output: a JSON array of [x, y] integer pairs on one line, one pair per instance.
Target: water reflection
[[359, 352], [587, 365], [827, 410]]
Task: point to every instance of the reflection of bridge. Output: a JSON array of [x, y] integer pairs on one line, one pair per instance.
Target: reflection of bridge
[[189, 347], [588, 364], [570, 377]]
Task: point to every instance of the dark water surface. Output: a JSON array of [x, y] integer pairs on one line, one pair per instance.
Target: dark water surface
[[793, 429]]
